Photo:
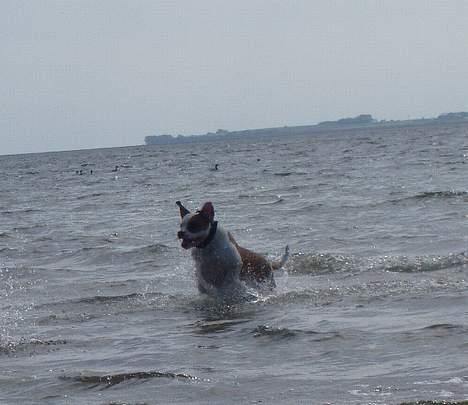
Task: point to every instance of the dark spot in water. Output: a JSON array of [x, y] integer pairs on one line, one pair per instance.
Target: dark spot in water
[[110, 380], [435, 403]]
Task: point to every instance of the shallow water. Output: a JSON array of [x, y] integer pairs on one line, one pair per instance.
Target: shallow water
[[99, 304]]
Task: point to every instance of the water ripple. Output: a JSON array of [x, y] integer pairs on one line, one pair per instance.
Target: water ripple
[[109, 380]]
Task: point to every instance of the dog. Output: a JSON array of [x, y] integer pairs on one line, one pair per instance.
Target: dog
[[222, 266]]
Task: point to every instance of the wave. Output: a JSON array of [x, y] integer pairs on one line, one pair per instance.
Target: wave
[[267, 199], [109, 299], [286, 174], [110, 380], [20, 211], [154, 248], [92, 195], [23, 345], [449, 194], [138, 251], [312, 297], [420, 263], [7, 250], [424, 196], [321, 263], [435, 402], [328, 263], [85, 309], [28, 228], [364, 292], [435, 331], [442, 329], [105, 254], [112, 299], [279, 200], [286, 333]]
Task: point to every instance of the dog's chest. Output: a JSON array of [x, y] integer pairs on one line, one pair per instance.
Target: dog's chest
[[219, 263]]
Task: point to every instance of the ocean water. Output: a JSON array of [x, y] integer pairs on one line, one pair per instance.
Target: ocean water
[[99, 303]]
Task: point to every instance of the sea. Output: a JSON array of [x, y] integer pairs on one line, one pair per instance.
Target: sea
[[99, 305]]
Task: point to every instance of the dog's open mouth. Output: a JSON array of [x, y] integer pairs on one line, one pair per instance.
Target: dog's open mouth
[[187, 243]]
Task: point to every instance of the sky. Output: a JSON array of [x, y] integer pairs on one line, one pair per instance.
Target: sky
[[80, 74]]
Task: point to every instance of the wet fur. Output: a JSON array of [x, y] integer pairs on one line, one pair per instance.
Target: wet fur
[[255, 268], [223, 263]]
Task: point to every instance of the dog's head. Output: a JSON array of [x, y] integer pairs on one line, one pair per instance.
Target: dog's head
[[195, 227]]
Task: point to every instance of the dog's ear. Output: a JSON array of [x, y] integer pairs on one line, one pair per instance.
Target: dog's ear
[[183, 211], [208, 211]]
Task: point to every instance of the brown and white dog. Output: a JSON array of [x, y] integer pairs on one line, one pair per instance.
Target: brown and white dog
[[222, 266]]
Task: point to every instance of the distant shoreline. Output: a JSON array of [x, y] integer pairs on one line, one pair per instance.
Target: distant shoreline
[[363, 121]]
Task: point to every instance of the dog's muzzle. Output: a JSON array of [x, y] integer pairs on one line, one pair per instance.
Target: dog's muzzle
[[187, 243]]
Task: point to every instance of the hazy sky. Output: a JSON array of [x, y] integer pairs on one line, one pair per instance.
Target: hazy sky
[[84, 74]]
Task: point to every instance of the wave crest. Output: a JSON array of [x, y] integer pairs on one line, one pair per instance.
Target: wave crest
[[287, 333], [426, 195], [323, 263], [110, 380], [23, 345]]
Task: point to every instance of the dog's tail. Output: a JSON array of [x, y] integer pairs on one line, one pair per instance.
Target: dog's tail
[[278, 264]]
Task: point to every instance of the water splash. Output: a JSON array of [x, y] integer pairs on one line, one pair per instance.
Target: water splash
[[323, 263]]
